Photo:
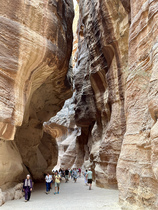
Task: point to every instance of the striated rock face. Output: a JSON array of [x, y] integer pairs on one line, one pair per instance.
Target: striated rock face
[[98, 79], [36, 44], [110, 122], [138, 163], [41, 153], [101, 66], [115, 98], [62, 127]]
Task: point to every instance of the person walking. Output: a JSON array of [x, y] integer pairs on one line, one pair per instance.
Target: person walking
[[60, 173], [75, 175], [27, 188], [57, 178], [85, 177], [71, 173], [48, 180], [89, 178], [66, 175], [79, 171]]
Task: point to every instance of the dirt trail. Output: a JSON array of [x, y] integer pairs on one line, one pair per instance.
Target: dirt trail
[[72, 196]]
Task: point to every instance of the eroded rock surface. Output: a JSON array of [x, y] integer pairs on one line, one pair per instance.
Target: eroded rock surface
[[36, 44], [62, 127], [110, 122], [137, 166], [102, 58], [11, 164], [115, 84], [98, 79]]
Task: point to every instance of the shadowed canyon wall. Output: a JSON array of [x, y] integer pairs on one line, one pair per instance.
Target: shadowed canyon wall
[[115, 99], [110, 121], [98, 79], [36, 44]]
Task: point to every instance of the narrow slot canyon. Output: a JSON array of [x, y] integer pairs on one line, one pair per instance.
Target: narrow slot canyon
[[78, 89]]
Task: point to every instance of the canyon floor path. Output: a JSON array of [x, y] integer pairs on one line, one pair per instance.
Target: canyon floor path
[[72, 195]]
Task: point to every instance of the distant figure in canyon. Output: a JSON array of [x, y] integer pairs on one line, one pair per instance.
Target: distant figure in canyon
[[27, 188], [66, 175], [89, 178], [57, 179], [85, 177], [79, 171], [75, 174], [48, 180], [71, 173], [61, 172]]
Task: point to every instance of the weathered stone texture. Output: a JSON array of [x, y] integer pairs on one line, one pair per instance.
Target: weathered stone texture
[[11, 165], [110, 123], [115, 97], [35, 42], [35, 49], [101, 65], [98, 98], [137, 166], [62, 127]]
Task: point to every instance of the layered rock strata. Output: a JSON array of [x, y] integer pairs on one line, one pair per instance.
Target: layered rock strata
[[110, 123], [62, 127], [118, 118], [98, 83], [36, 44], [137, 166], [102, 59]]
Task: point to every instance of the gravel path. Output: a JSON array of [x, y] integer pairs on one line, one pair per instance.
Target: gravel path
[[72, 195]]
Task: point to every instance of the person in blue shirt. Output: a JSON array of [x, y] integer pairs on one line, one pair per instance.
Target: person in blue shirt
[[75, 175]]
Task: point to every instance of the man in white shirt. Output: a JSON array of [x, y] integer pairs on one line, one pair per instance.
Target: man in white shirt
[[48, 180]]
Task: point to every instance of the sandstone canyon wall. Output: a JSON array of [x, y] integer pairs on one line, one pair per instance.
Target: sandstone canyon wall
[[98, 79], [137, 166], [115, 99], [35, 49], [110, 122]]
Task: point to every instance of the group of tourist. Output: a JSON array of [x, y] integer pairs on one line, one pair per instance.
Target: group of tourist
[[74, 173], [56, 177]]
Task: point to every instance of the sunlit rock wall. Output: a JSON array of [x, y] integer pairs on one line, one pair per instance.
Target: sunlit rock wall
[[32, 47], [35, 49], [137, 171], [115, 99], [62, 127], [10, 164]]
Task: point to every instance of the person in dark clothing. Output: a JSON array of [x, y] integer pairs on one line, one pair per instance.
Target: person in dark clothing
[[66, 175], [27, 188]]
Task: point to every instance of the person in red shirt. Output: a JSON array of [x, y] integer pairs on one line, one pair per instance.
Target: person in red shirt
[[79, 171]]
